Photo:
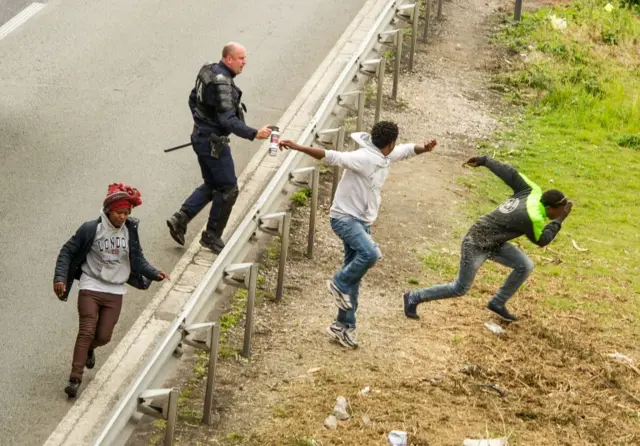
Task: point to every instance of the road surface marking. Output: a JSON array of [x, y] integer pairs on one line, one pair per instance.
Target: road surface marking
[[19, 19]]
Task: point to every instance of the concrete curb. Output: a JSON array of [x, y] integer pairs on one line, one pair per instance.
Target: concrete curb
[[83, 421]]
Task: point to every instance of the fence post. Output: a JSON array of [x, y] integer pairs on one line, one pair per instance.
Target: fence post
[[517, 15], [427, 17]]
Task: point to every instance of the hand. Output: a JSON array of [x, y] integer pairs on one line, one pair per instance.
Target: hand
[[473, 162], [566, 210], [263, 133], [162, 276], [59, 288], [429, 146], [288, 144]]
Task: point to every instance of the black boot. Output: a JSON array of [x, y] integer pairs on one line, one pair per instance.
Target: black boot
[[91, 360], [501, 311], [409, 308], [177, 224], [72, 388], [212, 241]]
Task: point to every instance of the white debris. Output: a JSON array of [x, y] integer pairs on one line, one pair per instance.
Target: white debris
[[557, 22], [397, 438], [486, 442], [365, 390], [620, 357], [494, 328], [608, 7]]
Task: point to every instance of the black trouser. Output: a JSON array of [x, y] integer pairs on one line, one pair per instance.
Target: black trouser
[[220, 185]]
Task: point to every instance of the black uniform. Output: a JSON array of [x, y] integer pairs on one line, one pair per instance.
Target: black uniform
[[218, 111]]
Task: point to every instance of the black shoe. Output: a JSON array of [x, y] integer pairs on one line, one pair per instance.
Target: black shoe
[[91, 360], [178, 226], [72, 388], [212, 241], [501, 311], [409, 308]]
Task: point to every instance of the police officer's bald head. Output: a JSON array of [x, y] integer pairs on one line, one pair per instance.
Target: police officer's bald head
[[234, 56]]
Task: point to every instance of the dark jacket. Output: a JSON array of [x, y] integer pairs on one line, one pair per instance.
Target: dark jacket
[[521, 214], [74, 253], [216, 103]]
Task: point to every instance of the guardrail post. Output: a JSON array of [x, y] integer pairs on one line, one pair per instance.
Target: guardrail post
[[359, 108], [251, 304], [440, 9], [397, 36], [411, 18], [211, 374], [248, 282], [379, 71], [427, 17], [517, 14], [283, 231], [210, 345], [314, 184], [168, 412], [414, 33]]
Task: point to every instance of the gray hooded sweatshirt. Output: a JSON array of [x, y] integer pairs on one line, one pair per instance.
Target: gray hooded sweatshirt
[[366, 169], [108, 266]]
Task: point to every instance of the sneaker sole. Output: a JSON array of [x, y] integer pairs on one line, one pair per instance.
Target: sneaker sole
[[339, 299], [174, 235]]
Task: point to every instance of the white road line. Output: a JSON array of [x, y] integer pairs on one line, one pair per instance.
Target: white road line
[[19, 19]]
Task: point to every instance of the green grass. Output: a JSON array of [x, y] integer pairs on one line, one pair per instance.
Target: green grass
[[301, 197], [580, 134]]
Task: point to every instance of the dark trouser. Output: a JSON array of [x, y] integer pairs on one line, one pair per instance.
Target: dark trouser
[[99, 313], [220, 185], [471, 259]]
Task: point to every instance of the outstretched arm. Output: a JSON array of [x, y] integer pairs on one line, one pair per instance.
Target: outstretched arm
[[404, 151], [346, 160], [504, 171], [223, 98]]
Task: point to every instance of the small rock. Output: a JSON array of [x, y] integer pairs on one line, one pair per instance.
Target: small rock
[[331, 422], [470, 369], [365, 390], [366, 420], [340, 409]]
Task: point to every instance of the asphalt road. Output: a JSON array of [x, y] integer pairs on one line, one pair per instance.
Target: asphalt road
[[91, 92]]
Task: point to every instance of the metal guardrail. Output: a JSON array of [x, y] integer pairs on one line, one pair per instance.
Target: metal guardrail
[[222, 271]]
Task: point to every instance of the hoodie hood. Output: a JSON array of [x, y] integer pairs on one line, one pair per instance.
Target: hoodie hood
[[364, 140], [104, 219]]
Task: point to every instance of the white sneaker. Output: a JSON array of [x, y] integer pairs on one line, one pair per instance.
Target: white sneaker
[[345, 336], [343, 300]]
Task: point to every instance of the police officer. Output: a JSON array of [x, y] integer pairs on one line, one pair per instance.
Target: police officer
[[217, 110]]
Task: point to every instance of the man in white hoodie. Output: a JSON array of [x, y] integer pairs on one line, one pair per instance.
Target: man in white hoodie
[[354, 209]]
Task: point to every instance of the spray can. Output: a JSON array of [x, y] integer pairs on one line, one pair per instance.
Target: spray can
[[274, 141]]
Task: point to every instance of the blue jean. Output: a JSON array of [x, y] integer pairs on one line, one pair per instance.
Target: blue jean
[[220, 185], [360, 254], [471, 259]]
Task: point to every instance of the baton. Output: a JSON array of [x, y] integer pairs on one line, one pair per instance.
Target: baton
[[177, 147]]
